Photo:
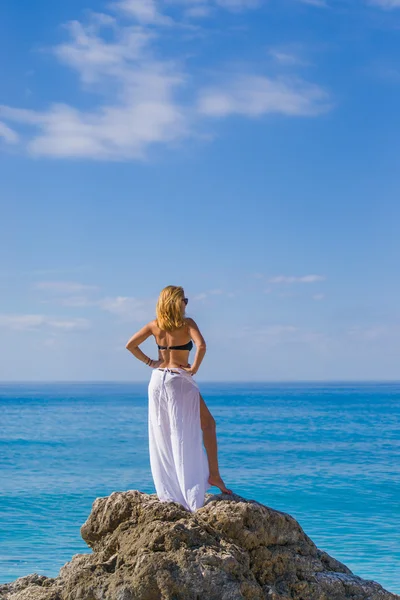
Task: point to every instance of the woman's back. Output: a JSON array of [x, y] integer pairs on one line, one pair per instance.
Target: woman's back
[[173, 346]]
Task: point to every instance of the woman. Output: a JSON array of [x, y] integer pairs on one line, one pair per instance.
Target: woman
[[177, 412]]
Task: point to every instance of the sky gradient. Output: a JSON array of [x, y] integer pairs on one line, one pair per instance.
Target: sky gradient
[[246, 150]]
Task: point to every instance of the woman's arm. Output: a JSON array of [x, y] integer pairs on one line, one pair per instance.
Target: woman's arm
[[138, 338], [200, 343]]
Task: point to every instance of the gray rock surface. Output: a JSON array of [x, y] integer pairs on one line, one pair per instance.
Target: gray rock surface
[[230, 549]]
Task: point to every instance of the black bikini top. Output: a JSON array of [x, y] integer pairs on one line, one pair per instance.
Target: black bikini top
[[187, 346]]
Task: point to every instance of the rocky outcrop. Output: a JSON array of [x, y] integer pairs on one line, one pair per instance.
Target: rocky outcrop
[[230, 549]]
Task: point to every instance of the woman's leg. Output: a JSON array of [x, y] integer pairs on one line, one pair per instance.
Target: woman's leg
[[208, 427]]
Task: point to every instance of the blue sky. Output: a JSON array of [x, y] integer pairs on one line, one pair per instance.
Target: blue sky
[[246, 150]]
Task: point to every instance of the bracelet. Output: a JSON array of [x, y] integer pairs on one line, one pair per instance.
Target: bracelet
[[148, 361]]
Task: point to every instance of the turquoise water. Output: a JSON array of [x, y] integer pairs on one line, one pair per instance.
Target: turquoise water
[[328, 454]]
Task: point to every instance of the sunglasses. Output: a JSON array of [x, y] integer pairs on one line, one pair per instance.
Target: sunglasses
[[186, 300]]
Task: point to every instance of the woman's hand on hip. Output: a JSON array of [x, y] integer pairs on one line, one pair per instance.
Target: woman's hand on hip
[[188, 369], [156, 363]]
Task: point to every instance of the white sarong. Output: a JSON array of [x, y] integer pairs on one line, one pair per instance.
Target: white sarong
[[178, 460]]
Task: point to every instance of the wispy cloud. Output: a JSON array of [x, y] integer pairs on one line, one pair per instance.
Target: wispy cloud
[[204, 295], [149, 11], [67, 293], [255, 95], [143, 11], [57, 271], [128, 308], [32, 322], [291, 279], [318, 297], [139, 109], [8, 134], [64, 287], [80, 295], [318, 3], [286, 57], [145, 97], [370, 333]]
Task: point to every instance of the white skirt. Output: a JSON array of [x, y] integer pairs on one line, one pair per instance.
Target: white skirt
[[178, 460]]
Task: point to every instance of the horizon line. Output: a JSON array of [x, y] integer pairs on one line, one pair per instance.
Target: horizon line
[[77, 381]]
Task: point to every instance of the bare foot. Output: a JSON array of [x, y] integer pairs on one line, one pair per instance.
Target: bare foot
[[217, 481]]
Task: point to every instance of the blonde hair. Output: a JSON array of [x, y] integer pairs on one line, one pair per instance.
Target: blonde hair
[[169, 313]]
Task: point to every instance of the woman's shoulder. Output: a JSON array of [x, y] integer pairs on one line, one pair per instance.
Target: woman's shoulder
[[153, 325], [191, 322]]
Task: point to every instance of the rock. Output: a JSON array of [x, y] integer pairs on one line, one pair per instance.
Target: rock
[[230, 549]]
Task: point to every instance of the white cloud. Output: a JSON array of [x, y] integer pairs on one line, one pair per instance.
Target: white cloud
[[139, 91], [96, 59], [123, 306], [8, 134], [64, 287], [110, 132], [255, 95], [68, 324], [139, 110], [128, 308], [21, 321], [369, 333], [286, 58], [31, 322], [318, 297], [290, 279], [200, 296], [148, 11], [72, 294], [143, 11], [319, 3], [57, 270], [217, 292]]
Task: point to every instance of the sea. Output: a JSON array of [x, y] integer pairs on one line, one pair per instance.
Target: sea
[[326, 453]]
